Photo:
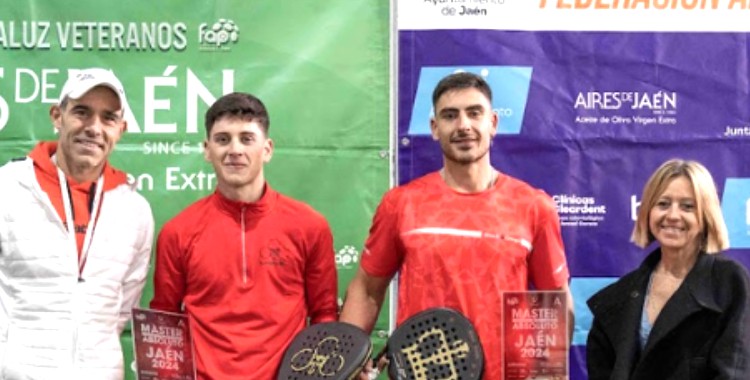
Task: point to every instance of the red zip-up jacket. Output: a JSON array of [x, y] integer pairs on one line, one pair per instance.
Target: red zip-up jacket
[[249, 276]]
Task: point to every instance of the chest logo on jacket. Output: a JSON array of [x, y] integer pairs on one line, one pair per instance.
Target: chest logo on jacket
[[271, 254]]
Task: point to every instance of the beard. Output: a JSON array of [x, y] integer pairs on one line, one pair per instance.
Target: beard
[[464, 157]]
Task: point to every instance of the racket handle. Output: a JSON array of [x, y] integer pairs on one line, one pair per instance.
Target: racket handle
[[372, 375]]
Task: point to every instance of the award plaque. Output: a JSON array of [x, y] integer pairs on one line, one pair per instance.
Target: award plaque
[[163, 346], [535, 335]]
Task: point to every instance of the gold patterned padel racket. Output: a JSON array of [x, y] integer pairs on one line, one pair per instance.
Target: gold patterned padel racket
[[435, 344], [330, 351]]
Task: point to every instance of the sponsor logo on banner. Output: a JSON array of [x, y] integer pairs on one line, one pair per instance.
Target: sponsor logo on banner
[[219, 35], [579, 211], [735, 205], [574, 15], [510, 89], [347, 257], [626, 108]]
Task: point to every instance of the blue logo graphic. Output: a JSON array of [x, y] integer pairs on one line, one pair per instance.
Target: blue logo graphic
[[510, 89], [735, 204], [582, 288]]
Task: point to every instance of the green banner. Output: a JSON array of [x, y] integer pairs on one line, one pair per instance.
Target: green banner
[[321, 68]]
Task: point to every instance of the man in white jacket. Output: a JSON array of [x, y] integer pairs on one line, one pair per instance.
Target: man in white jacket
[[75, 242]]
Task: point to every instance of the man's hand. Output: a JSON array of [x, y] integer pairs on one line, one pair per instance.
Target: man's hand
[[371, 373]]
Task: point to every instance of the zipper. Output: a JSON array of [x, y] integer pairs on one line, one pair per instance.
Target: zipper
[[244, 256], [74, 351]]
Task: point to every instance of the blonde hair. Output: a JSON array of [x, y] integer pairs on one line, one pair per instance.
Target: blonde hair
[[715, 237]]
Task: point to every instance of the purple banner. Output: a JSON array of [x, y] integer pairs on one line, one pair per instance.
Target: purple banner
[[587, 117]]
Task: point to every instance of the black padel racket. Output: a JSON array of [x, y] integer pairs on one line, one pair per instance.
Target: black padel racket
[[436, 344], [331, 351]]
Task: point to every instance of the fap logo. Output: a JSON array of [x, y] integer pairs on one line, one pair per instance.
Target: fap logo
[[510, 89], [346, 257], [735, 204], [217, 35]]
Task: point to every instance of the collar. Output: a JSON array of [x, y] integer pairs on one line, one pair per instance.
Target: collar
[[41, 155], [261, 206], [698, 285], [700, 282]]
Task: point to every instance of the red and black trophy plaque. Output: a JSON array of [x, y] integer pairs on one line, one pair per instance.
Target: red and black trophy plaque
[[535, 335], [163, 346]]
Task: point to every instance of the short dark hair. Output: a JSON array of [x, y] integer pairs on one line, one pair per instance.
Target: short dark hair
[[238, 105], [460, 81]]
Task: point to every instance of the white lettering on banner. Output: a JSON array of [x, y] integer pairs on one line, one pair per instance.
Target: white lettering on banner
[[573, 204], [34, 88], [666, 120], [600, 100], [26, 35], [614, 100], [621, 120], [573, 199], [660, 103], [38, 85], [644, 120], [634, 205], [171, 147], [93, 35], [142, 182], [178, 180], [152, 104], [577, 211], [504, 112], [741, 131], [32, 85], [660, 100], [4, 111], [195, 89]]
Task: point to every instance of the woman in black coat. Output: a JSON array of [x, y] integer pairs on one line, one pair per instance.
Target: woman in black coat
[[684, 313]]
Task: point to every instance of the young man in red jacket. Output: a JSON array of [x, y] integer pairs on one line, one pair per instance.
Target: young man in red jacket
[[248, 265]]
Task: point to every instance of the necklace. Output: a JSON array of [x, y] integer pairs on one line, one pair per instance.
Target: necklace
[[493, 179]]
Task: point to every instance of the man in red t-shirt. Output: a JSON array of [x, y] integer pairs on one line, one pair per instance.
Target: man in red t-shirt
[[461, 236]]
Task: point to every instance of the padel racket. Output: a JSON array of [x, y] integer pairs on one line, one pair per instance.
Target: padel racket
[[435, 344], [331, 351]]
